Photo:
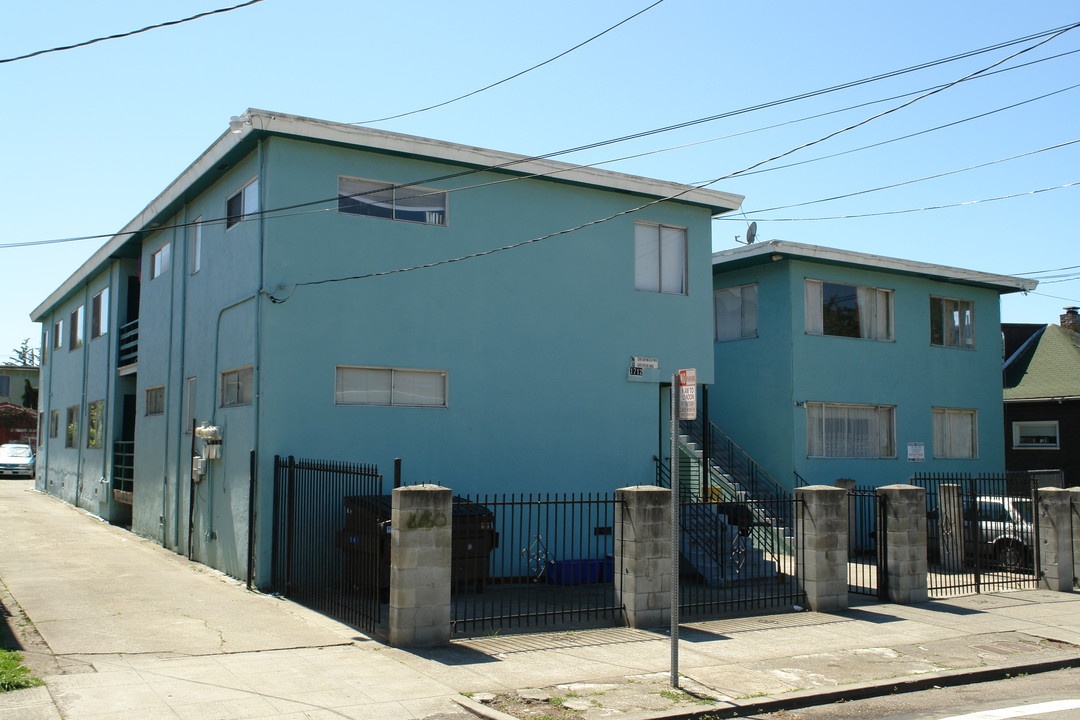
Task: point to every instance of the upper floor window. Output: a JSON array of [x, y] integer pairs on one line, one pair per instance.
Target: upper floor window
[[736, 312], [835, 430], [848, 310], [155, 400], [379, 199], [956, 433], [99, 314], [160, 260], [390, 386], [58, 334], [75, 332], [952, 322], [237, 387], [242, 203], [1036, 434], [196, 246], [660, 258]]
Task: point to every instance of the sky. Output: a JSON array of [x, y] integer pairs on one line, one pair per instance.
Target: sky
[[91, 135]]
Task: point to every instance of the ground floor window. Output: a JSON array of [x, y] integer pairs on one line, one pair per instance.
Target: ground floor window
[[71, 439], [54, 423], [155, 400], [390, 386], [836, 430], [956, 433], [237, 387], [1036, 434], [95, 424]]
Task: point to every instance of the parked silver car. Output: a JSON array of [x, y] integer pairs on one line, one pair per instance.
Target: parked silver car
[[16, 460], [999, 529]]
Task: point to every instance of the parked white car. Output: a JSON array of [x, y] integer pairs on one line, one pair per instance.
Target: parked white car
[[17, 460]]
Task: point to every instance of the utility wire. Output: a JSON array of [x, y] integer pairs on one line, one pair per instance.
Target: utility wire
[[515, 75], [656, 201], [1036, 272], [922, 179], [133, 32], [910, 210], [273, 212]]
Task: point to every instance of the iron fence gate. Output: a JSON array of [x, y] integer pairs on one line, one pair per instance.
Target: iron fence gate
[[739, 555], [981, 532], [867, 535], [331, 550], [535, 560]]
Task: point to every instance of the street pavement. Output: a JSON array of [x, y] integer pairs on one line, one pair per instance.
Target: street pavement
[[120, 628]]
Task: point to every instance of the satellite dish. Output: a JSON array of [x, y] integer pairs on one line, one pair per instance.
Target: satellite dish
[[751, 233]]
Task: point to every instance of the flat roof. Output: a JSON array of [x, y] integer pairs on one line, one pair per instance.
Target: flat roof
[[758, 253], [255, 123]]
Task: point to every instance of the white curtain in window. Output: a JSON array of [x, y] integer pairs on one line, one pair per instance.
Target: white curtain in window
[[749, 311], [727, 306], [647, 257], [363, 386], [955, 433], [874, 313], [813, 307], [419, 387], [849, 431], [672, 260]]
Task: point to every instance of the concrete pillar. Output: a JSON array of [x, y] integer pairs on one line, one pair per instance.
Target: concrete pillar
[[420, 566], [643, 555], [950, 529], [905, 538], [1056, 538], [821, 524], [845, 483]]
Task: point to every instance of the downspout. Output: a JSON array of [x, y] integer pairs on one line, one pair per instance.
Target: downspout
[[183, 383], [82, 403], [168, 402], [106, 426], [257, 380], [48, 397]]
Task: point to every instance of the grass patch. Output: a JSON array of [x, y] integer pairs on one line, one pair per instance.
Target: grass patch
[[13, 676]]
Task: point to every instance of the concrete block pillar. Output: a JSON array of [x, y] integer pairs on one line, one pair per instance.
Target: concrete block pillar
[[821, 524], [643, 578], [1054, 516], [420, 538], [950, 527], [1075, 496], [905, 538]]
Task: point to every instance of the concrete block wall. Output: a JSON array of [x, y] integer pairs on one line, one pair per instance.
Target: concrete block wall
[[905, 535], [1056, 541], [420, 540], [643, 572], [821, 522]]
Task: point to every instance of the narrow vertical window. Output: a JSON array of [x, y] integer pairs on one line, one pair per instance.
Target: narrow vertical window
[[160, 260], [58, 334], [95, 424], [660, 258], [189, 404], [54, 423], [71, 438], [99, 314], [75, 332], [196, 246]]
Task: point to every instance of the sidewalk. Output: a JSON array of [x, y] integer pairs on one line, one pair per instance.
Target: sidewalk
[[124, 629]]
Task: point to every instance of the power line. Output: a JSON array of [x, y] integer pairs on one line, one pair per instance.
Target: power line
[[922, 179], [937, 88], [655, 201], [515, 75], [1036, 272], [910, 210], [133, 32]]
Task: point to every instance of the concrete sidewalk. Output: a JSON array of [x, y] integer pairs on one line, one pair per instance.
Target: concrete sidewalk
[[124, 629]]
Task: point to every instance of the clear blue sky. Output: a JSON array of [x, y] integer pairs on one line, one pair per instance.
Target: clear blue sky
[[91, 135]]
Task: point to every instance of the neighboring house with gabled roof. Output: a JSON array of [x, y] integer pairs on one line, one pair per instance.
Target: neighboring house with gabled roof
[[1042, 400]]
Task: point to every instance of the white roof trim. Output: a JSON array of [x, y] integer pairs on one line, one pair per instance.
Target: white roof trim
[[313, 129], [876, 262]]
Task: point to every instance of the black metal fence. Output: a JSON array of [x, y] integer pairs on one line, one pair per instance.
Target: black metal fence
[[867, 569], [533, 560], [738, 556], [331, 547], [982, 532]]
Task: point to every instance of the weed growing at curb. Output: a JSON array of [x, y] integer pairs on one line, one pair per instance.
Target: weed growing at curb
[[13, 676]]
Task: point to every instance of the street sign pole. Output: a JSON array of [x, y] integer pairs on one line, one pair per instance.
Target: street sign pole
[[676, 397]]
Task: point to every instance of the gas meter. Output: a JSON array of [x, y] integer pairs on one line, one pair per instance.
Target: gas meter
[[211, 437]]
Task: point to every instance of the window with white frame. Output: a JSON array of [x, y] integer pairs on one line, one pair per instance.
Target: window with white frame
[[736, 311], [838, 430], [390, 387], [952, 322], [845, 310], [160, 260], [242, 203], [155, 400], [189, 404], [660, 258], [95, 424], [99, 314], [956, 433], [237, 387], [357, 196], [75, 332], [1038, 434], [196, 245], [58, 334]]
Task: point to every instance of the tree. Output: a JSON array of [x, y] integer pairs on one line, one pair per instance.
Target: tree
[[26, 355]]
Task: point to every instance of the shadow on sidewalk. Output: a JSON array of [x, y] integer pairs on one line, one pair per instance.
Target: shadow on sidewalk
[[8, 639]]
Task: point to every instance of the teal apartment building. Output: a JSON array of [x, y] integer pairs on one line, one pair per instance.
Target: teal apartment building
[[835, 364], [330, 291]]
